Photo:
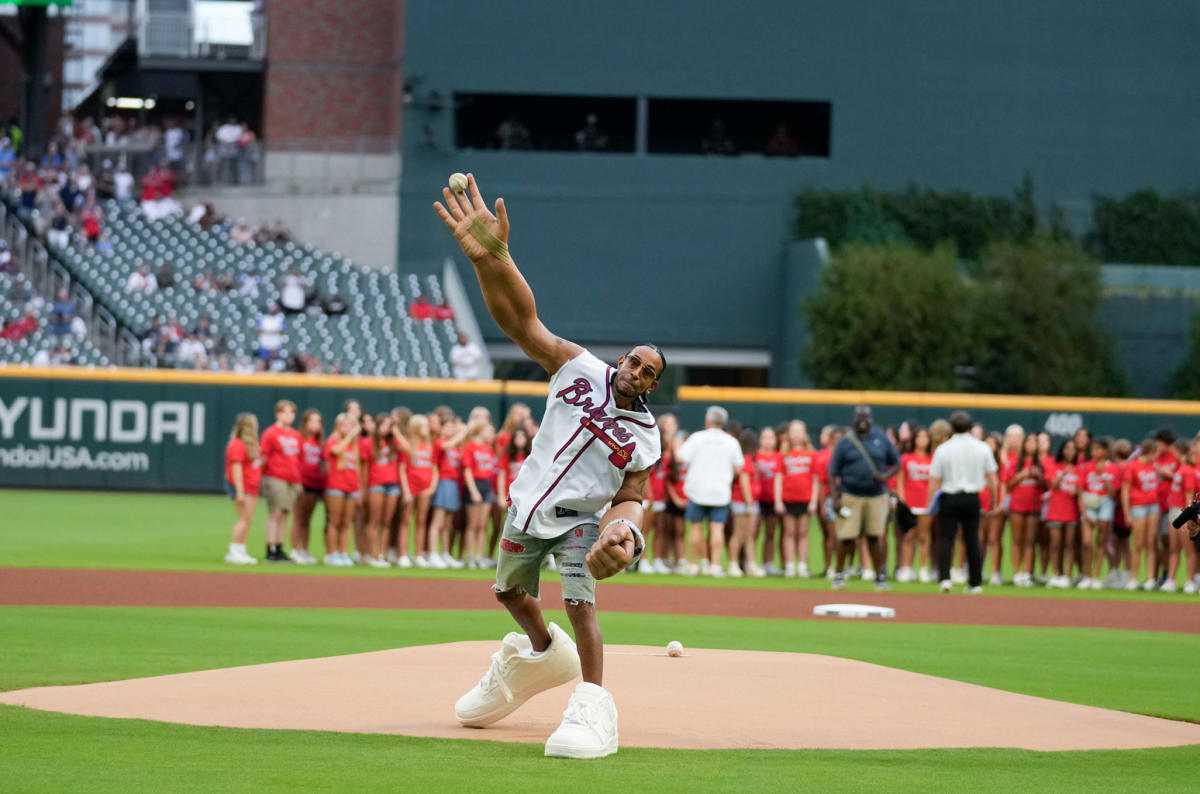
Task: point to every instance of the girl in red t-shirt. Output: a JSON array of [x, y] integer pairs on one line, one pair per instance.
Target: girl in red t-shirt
[[243, 472], [668, 536], [796, 494], [447, 499], [1183, 489], [1139, 498], [341, 487], [827, 520], [479, 471], [768, 468], [992, 519], [1023, 477], [366, 446], [912, 482], [1062, 511], [741, 539], [312, 482], [1099, 479], [383, 487], [418, 481]]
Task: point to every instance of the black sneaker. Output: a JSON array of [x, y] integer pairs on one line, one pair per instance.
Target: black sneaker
[[881, 582], [278, 556]]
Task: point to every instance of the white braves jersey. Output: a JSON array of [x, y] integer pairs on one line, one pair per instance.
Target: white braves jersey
[[582, 452]]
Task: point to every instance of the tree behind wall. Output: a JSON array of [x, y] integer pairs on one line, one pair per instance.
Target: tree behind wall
[[886, 317], [1184, 381], [1034, 323]]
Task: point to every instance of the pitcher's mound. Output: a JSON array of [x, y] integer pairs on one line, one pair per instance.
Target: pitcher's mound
[[706, 699]]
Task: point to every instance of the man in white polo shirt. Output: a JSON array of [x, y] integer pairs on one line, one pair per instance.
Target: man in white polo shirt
[[961, 469], [578, 496], [713, 459]]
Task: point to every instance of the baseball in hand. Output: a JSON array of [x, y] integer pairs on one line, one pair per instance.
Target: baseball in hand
[[674, 648], [458, 182]]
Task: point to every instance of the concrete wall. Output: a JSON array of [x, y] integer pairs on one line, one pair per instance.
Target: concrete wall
[[687, 249], [360, 225]]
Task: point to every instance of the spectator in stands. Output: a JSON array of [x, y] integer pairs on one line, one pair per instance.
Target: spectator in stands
[[226, 283], [293, 290], [591, 138], [165, 276], [247, 155], [717, 141], [83, 180], [78, 328], [174, 139], [421, 308], [241, 233], [192, 353], [29, 185], [781, 143], [150, 338], [465, 358], [443, 311], [59, 233], [7, 158], [8, 264], [123, 184], [20, 328], [334, 305], [205, 282], [271, 330], [512, 134], [248, 283], [103, 244], [89, 222], [227, 137], [141, 281], [61, 313], [203, 331], [169, 337]]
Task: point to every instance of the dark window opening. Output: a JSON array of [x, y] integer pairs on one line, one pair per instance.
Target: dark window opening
[[544, 122], [732, 127]]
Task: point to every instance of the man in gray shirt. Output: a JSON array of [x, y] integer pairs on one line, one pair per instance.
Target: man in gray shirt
[[862, 463]]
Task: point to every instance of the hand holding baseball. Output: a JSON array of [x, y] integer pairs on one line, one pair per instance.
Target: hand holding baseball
[[611, 553]]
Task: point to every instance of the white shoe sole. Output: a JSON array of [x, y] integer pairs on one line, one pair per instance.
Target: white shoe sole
[[555, 750]]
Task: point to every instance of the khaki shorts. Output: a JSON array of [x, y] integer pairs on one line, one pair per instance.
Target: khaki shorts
[[280, 495], [868, 516], [521, 556]]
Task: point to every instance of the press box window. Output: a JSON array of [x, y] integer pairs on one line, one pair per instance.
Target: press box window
[[739, 126], [544, 122]]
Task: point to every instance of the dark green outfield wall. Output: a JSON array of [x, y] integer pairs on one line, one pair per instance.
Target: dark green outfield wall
[[687, 250]]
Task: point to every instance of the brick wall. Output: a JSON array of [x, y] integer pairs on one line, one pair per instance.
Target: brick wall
[[334, 75]]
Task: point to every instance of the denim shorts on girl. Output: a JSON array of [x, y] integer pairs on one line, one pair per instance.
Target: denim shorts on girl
[[446, 496], [487, 494], [387, 489], [342, 494], [1102, 513], [1143, 511]]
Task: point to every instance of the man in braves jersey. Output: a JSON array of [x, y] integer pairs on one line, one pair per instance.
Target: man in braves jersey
[[578, 496]]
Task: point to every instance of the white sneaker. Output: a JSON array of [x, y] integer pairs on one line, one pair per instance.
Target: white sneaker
[[516, 675], [329, 559], [589, 725], [1041, 579], [755, 570], [1057, 583], [925, 576], [1084, 584], [448, 558], [1168, 587], [392, 556], [945, 585], [422, 561], [716, 571], [645, 566], [681, 567], [905, 573], [802, 570], [976, 590], [735, 570], [996, 579], [436, 560], [958, 576], [377, 562], [1190, 587], [347, 560], [356, 558], [789, 569], [660, 566], [868, 575], [1096, 584], [239, 558], [829, 572], [404, 561], [1132, 584], [1150, 584], [770, 569], [296, 556], [692, 569]]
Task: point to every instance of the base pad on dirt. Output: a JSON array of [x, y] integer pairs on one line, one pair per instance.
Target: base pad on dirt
[[853, 611], [708, 699]]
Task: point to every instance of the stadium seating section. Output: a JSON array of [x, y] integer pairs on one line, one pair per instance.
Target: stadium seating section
[[23, 351], [375, 336]]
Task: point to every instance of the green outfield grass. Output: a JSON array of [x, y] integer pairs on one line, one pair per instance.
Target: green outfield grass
[[178, 532], [1134, 671]]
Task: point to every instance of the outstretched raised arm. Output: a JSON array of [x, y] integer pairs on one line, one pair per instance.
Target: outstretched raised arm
[[483, 237]]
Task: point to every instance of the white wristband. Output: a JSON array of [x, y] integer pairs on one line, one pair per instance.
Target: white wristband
[[639, 541]]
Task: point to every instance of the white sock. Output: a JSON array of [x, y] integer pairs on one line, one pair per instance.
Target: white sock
[[235, 547]]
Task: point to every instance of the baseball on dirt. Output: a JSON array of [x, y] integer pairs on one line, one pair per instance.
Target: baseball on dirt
[[458, 182], [674, 648]]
